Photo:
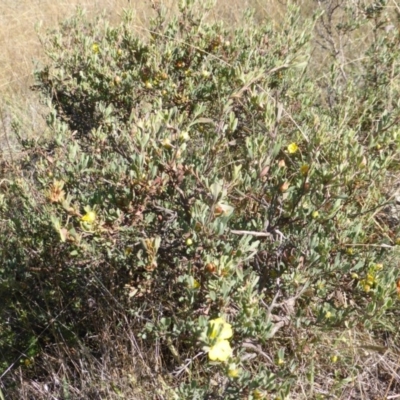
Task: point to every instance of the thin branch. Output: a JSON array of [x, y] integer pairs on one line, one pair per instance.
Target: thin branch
[[251, 233]]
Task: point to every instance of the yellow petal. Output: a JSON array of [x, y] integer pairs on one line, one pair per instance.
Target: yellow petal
[[233, 371], [166, 143], [328, 315], [195, 284], [221, 351], [292, 148], [220, 329], [304, 169], [89, 217]]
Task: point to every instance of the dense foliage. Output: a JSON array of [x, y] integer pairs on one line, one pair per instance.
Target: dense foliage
[[206, 199]]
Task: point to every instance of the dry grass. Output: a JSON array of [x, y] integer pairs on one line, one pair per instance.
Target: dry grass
[[18, 38], [21, 20]]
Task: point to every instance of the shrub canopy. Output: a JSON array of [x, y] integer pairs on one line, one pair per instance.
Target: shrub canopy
[[197, 173]]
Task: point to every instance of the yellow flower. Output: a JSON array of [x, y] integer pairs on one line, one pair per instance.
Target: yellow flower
[[220, 351], [184, 136], [218, 333], [292, 148], [315, 214], [304, 169], [194, 283], [280, 361], [366, 284], [166, 143], [233, 371], [95, 48], [258, 395], [28, 362], [89, 217], [370, 280], [219, 329]]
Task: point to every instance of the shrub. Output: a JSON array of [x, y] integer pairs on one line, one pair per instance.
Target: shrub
[[198, 175]]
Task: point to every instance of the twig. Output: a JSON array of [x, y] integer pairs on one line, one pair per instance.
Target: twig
[[251, 233], [184, 367], [257, 349], [384, 246]]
